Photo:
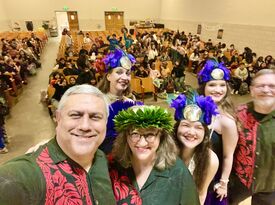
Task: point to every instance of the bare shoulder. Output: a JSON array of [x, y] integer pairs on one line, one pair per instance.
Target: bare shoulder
[[227, 120]]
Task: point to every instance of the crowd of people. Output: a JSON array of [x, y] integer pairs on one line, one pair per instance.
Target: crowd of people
[[112, 149], [19, 59], [153, 51]]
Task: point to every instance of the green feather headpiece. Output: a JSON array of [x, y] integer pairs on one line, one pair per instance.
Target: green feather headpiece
[[143, 117]]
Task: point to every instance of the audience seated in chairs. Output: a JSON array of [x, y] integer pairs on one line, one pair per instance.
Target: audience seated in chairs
[[87, 76], [141, 72], [240, 76], [178, 77]]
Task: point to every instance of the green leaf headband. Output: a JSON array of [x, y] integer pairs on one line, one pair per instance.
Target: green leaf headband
[[144, 117]]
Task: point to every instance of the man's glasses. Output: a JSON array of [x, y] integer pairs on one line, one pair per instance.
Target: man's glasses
[[149, 137], [262, 86]]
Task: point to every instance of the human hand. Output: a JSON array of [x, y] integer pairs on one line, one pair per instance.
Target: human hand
[[221, 190]]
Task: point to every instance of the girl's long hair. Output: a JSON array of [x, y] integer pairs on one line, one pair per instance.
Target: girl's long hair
[[201, 156]]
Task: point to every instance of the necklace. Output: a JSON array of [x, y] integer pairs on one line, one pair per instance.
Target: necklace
[[191, 165]]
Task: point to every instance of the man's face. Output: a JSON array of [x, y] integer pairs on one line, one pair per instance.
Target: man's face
[[81, 125], [263, 90]]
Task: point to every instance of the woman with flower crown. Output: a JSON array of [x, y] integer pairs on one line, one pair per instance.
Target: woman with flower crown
[[144, 167], [213, 81], [193, 114], [116, 85]]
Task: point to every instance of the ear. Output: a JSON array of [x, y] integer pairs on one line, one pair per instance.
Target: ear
[[108, 77], [57, 116]]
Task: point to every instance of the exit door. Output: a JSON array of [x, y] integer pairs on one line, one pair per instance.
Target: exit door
[[114, 20], [66, 19], [73, 20]]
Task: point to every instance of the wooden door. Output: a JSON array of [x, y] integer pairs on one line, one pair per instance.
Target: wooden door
[[73, 20], [114, 20]]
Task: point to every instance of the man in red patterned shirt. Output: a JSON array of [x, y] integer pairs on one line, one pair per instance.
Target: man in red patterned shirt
[[69, 169], [253, 172]]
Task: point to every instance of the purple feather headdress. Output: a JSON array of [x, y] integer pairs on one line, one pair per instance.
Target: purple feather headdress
[[194, 108], [118, 58], [213, 70], [114, 109]]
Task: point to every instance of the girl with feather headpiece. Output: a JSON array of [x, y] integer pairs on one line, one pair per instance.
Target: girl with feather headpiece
[[116, 85], [193, 113], [213, 81]]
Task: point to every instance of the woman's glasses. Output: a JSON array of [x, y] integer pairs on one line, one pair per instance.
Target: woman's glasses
[[149, 137]]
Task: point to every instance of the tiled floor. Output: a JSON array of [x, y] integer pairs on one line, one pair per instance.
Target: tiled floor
[[30, 123]]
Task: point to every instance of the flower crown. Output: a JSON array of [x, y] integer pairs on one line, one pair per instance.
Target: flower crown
[[114, 109], [213, 70], [118, 58], [194, 108], [144, 117]]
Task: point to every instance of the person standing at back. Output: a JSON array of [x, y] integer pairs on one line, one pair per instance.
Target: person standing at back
[[253, 171], [115, 84], [213, 81]]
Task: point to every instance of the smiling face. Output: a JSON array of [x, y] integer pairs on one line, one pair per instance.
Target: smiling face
[[81, 125], [263, 91], [119, 80], [217, 89], [190, 134], [72, 81], [144, 144]]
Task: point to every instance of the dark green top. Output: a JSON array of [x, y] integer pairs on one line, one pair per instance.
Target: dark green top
[[264, 167], [48, 176], [173, 186]]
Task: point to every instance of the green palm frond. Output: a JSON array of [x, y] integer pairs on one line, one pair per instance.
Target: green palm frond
[[144, 117]]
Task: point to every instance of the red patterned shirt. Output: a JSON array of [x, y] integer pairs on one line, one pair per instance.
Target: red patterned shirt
[[244, 159], [49, 177]]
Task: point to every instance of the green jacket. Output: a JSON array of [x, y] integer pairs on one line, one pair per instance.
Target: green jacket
[[264, 168], [173, 186], [48, 176]]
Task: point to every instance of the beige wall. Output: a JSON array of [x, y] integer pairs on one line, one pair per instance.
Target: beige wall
[[3, 17], [246, 23], [247, 12], [261, 39], [90, 12]]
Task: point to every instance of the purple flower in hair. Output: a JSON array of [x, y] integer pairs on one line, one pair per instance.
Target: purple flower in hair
[[112, 60], [131, 58], [205, 74], [179, 104], [114, 109], [206, 104], [208, 107]]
